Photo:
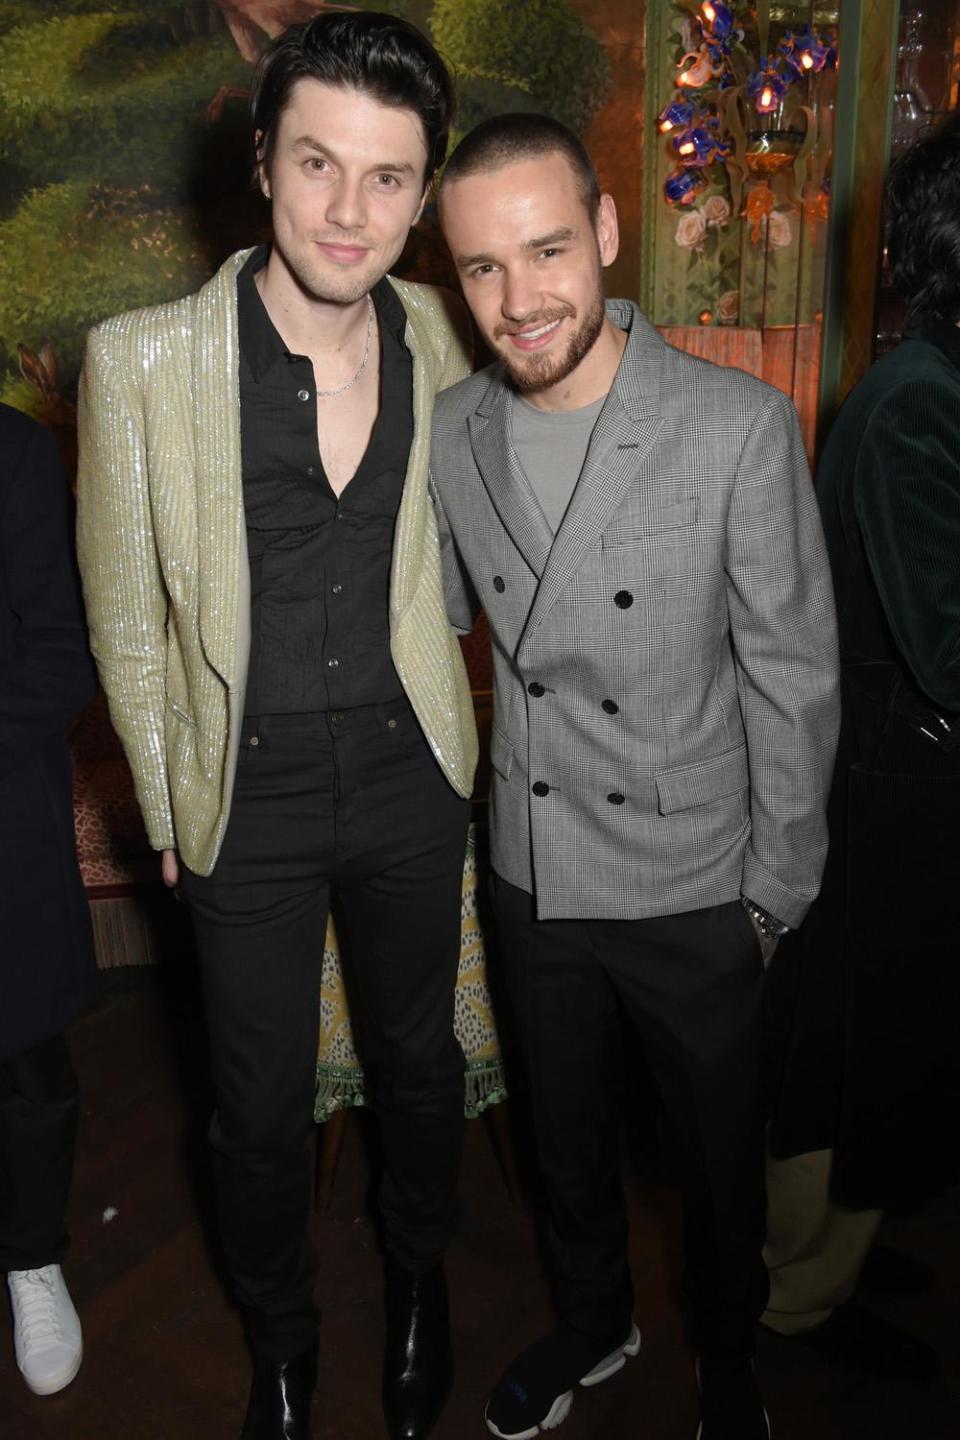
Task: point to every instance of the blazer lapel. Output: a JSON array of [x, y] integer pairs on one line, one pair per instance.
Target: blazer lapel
[[411, 518], [223, 579], [506, 485], [625, 433]]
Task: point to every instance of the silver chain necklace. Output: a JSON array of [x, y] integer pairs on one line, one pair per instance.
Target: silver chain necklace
[[328, 394]]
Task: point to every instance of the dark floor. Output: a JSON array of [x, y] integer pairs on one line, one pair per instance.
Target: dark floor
[[164, 1355]]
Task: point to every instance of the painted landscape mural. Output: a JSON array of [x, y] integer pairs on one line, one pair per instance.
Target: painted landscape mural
[[124, 160]]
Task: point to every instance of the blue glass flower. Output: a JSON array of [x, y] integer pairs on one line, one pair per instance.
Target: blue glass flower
[[803, 53], [675, 116], [696, 147], [719, 18], [683, 186], [767, 86]]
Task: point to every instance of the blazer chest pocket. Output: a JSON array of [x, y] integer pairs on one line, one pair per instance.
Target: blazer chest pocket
[[501, 753], [632, 526], [716, 779]]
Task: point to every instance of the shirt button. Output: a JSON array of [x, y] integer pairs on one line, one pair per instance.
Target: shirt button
[[535, 688], [616, 798], [540, 787], [391, 724], [336, 587], [498, 584], [610, 706], [311, 470], [303, 394], [333, 664], [623, 599], [254, 739]]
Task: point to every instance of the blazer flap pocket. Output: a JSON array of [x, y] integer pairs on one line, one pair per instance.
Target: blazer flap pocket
[[501, 753], [632, 523], [708, 780]]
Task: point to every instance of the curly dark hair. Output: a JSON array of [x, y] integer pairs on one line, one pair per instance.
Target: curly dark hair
[[923, 214], [377, 54]]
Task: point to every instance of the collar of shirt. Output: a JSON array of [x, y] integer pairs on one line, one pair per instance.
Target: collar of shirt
[[260, 341], [942, 333]]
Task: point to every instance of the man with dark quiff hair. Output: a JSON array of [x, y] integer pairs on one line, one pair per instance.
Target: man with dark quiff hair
[[383, 56], [261, 565]]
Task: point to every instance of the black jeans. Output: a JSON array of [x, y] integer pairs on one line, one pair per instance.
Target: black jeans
[[354, 803], [39, 1110], [690, 988]]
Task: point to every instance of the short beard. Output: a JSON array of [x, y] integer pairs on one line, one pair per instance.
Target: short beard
[[315, 285], [542, 372], [330, 291]]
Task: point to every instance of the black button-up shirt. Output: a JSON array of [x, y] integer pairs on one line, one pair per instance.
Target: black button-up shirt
[[319, 566]]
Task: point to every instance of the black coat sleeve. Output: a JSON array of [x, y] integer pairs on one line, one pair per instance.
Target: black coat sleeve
[[907, 502], [46, 672]]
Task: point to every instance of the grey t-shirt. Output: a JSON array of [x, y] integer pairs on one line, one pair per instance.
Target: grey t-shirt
[[551, 446]]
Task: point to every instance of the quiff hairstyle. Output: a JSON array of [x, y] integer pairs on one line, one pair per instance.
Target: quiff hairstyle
[[923, 213], [378, 55], [504, 139]]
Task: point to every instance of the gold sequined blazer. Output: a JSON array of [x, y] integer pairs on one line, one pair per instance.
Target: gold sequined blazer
[[162, 546]]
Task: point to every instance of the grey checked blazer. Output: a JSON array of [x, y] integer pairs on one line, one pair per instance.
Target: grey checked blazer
[[666, 676]]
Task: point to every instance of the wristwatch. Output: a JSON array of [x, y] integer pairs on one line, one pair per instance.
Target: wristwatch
[[766, 923]]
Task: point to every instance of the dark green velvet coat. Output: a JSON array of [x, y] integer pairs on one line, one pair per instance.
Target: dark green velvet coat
[[47, 969], [865, 1000]]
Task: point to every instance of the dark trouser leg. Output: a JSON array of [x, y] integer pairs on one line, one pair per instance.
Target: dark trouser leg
[[692, 985], [569, 1042], [39, 1109], [401, 844], [260, 923]]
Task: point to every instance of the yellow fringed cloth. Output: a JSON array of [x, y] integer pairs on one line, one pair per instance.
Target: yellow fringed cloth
[[339, 1073]]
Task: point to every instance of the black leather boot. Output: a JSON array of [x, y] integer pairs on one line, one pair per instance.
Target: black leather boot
[[418, 1360], [280, 1398]]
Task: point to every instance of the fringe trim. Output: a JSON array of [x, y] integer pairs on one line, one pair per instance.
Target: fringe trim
[[343, 1089]]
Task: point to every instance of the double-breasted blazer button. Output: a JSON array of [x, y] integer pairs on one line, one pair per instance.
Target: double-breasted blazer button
[[540, 787], [610, 706], [536, 689], [498, 584], [623, 599], [615, 798]]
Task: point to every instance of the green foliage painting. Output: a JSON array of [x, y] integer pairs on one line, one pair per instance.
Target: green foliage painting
[[124, 167]]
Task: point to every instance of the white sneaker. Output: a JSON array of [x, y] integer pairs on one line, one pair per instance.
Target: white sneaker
[[46, 1329]]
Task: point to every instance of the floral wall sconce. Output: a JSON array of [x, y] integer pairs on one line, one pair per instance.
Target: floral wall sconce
[[742, 149]]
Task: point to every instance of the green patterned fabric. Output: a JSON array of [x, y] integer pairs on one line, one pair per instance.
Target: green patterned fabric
[[340, 1081]]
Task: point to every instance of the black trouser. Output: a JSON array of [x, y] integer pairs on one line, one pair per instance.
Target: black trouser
[[351, 802], [690, 986], [39, 1109]]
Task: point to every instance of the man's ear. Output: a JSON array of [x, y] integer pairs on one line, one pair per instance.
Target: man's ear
[[428, 191], [608, 230], [263, 173]]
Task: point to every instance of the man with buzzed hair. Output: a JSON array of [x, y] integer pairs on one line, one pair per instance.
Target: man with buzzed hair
[[262, 573], [640, 529]]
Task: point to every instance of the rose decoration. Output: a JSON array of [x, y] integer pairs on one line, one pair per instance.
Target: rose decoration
[[779, 229], [691, 230], [728, 307], [716, 211]]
